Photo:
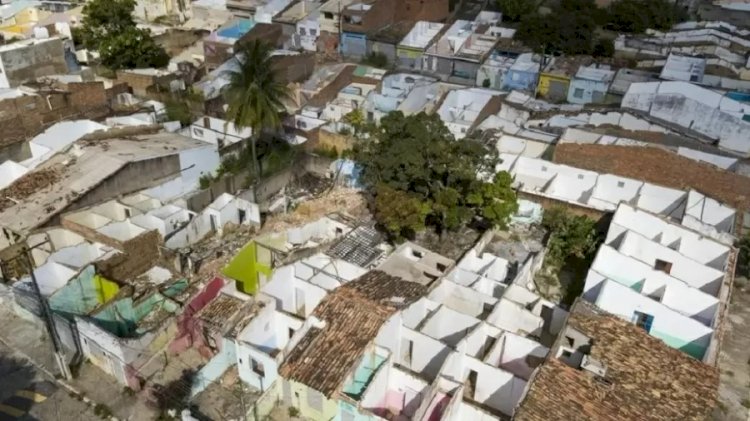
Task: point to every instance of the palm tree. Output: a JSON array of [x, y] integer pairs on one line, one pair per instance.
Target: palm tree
[[254, 95]]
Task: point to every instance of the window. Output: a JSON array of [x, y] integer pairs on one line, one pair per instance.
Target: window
[[409, 79], [544, 168], [620, 184], [417, 254], [302, 31], [127, 213], [566, 353], [643, 320], [257, 368], [570, 341], [441, 267], [313, 32], [328, 15], [580, 176], [198, 132], [663, 266], [578, 93]]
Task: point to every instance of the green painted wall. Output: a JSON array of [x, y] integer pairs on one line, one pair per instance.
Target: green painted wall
[[246, 267], [694, 350]]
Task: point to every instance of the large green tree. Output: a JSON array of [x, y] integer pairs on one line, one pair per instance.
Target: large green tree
[[639, 15], [513, 10], [132, 48], [570, 28], [255, 94], [108, 27], [415, 167]]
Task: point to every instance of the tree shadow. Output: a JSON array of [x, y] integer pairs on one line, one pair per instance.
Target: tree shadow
[[18, 383], [176, 393]]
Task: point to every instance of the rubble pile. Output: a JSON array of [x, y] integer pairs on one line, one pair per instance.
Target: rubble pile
[[342, 200], [28, 185]]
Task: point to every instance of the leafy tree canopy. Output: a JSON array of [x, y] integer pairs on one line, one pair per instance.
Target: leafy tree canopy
[[570, 235], [108, 27], [513, 10], [132, 48], [639, 15], [254, 94], [569, 28], [422, 176]]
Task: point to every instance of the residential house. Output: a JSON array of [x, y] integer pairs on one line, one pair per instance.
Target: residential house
[[218, 47], [165, 164], [254, 264], [694, 110], [27, 60], [301, 22], [150, 10], [597, 351], [366, 17], [674, 285], [684, 68], [21, 15], [350, 98], [467, 347], [385, 41], [523, 74], [491, 73], [462, 109], [414, 263], [330, 25], [588, 191], [590, 84], [344, 325], [459, 52], [626, 77], [394, 91], [410, 50], [216, 131]]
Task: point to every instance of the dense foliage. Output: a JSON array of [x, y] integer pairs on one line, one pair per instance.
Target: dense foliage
[[254, 94], [421, 176], [108, 27], [570, 235], [572, 26], [571, 247], [514, 10], [639, 15], [743, 257]]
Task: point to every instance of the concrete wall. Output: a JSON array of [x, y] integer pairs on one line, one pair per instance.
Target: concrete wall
[[29, 62]]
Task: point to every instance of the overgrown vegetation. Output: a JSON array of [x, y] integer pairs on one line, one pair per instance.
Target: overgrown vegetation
[[108, 27], [274, 154], [421, 176], [376, 59], [571, 246], [742, 269], [255, 95], [573, 26]]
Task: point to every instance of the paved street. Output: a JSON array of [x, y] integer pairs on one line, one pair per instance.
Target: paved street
[[27, 393]]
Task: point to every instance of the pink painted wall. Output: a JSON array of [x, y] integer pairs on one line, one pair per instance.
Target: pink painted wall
[[189, 330]]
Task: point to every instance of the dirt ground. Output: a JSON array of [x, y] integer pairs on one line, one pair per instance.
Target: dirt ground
[[734, 358]]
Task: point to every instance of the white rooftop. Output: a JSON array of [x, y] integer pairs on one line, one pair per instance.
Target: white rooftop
[[421, 34], [596, 74]]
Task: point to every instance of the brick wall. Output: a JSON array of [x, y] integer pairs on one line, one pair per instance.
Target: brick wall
[[140, 254], [24, 117]]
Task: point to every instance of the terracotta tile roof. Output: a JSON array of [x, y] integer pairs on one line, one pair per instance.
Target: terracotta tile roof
[[645, 378], [353, 315], [658, 166]]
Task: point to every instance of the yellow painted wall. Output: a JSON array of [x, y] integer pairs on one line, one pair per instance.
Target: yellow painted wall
[[105, 289], [300, 401], [546, 79]]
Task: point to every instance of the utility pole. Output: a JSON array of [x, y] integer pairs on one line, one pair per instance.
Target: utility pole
[[23, 252]]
